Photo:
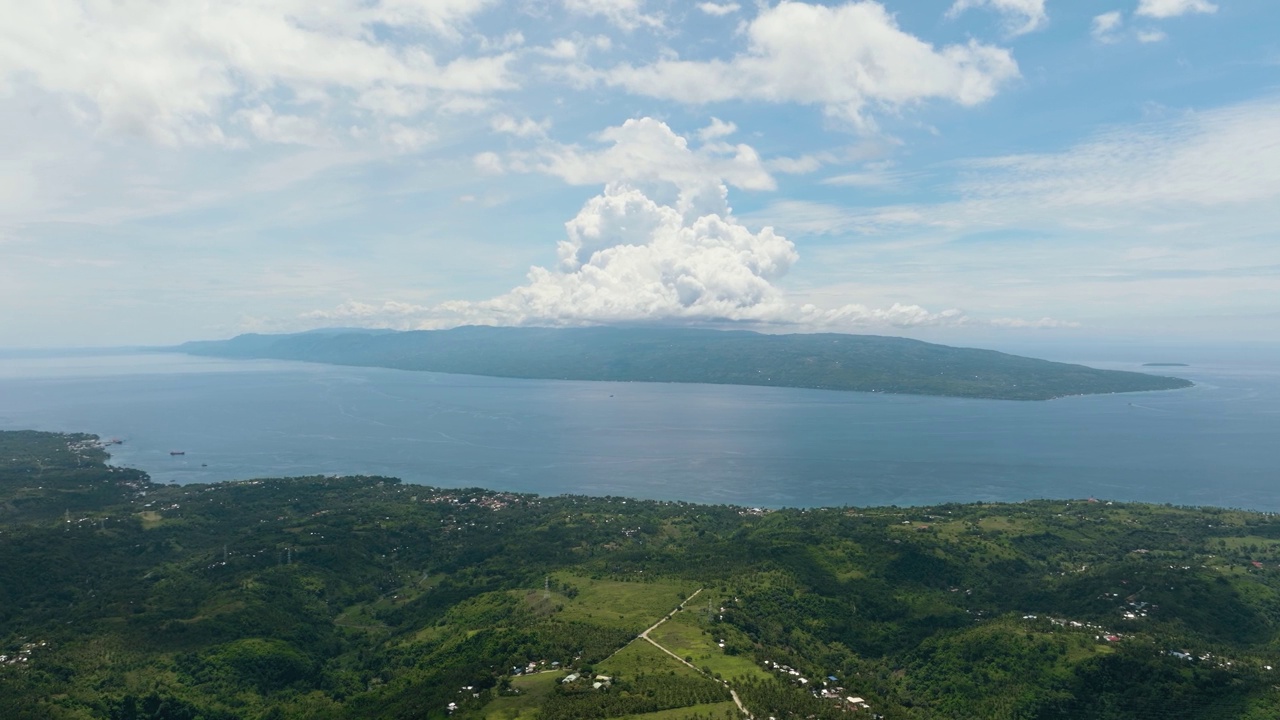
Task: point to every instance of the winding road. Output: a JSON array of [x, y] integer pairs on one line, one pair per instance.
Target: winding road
[[645, 636]]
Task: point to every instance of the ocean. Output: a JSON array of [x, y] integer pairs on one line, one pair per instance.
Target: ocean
[[1214, 444]]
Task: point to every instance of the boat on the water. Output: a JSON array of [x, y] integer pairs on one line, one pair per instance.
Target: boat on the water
[[177, 452]]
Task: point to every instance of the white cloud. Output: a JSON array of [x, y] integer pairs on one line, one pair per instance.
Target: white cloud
[[576, 47], [465, 105], [405, 138], [1212, 174], [489, 163], [527, 127], [1152, 36], [843, 58], [867, 179], [1021, 16], [719, 9], [1105, 26], [1217, 158], [647, 154], [659, 244], [179, 72], [1173, 8], [897, 315], [628, 258], [802, 165], [717, 129], [1044, 323], [266, 125], [624, 14], [354, 310], [815, 218], [509, 41], [390, 101]]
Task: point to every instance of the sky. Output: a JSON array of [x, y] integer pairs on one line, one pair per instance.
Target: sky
[[971, 171]]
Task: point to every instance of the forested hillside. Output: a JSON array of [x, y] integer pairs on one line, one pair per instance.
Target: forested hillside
[[867, 363], [360, 597]]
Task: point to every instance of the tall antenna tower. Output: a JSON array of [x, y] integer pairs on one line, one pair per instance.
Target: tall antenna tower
[[546, 588]]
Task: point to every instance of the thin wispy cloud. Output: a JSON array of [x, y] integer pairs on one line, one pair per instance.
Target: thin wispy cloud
[[719, 9], [1021, 16], [1173, 8], [1105, 26]]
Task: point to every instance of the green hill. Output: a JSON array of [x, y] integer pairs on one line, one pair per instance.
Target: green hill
[[327, 598], [865, 363]]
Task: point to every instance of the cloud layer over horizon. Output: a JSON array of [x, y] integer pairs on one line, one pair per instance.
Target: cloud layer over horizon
[[660, 244]]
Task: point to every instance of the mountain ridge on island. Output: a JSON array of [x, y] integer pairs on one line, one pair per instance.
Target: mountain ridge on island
[[822, 361]]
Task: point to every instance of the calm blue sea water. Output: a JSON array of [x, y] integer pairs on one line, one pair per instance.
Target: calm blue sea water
[[1214, 444]]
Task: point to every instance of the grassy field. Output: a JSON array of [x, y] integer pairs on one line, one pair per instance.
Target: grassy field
[[629, 605], [533, 688], [684, 636], [641, 657], [725, 710], [150, 519]]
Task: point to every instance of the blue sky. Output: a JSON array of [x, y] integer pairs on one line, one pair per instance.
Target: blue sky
[[980, 171]]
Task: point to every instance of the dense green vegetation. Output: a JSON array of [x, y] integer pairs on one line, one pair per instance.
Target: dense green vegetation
[[826, 361], [365, 597]]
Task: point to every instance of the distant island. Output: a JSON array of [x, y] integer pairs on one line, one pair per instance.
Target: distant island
[[824, 361], [1165, 364]]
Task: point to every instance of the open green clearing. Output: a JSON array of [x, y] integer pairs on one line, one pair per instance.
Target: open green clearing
[[704, 711], [631, 606], [687, 636], [640, 657], [533, 691]]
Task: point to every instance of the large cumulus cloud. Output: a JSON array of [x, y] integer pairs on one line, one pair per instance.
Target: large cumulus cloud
[[660, 244], [629, 258]]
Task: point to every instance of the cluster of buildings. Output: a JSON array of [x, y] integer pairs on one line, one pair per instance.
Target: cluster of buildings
[[599, 683], [829, 689], [1208, 657], [535, 666], [496, 501], [465, 689], [23, 655], [1131, 608], [1102, 635]]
